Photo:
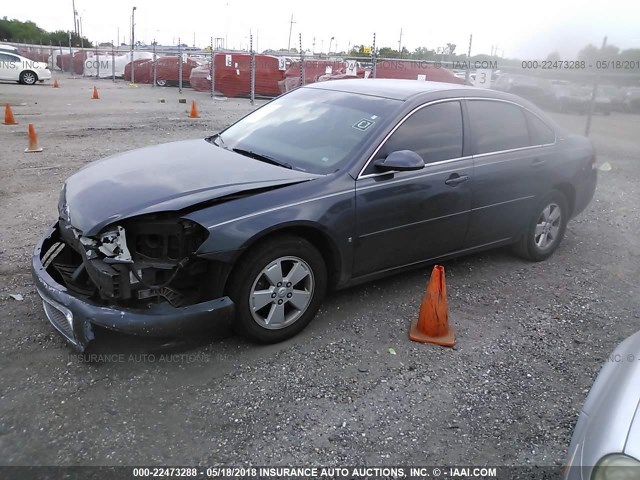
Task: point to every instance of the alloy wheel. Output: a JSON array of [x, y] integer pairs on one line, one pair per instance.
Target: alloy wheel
[[548, 226], [281, 292]]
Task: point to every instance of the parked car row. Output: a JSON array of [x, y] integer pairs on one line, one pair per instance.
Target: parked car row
[[568, 97], [276, 75], [167, 70]]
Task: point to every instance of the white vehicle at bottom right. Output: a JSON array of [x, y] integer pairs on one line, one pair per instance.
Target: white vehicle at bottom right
[[606, 439]]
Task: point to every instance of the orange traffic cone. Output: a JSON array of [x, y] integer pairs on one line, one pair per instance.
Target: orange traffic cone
[[194, 110], [55, 84], [33, 141], [95, 95], [432, 325], [8, 116]]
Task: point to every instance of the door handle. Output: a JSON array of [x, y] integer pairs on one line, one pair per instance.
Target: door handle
[[455, 179]]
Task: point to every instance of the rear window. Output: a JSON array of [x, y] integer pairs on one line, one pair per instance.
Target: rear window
[[541, 133], [4, 57], [497, 126]]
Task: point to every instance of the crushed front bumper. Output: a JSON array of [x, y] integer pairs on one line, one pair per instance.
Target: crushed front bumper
[[74, 316]]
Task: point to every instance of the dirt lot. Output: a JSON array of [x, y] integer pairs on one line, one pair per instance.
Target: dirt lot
[[531, 337]]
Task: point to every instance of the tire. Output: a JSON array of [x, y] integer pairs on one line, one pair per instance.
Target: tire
[[549, 220], [273, 315], [28, 77]]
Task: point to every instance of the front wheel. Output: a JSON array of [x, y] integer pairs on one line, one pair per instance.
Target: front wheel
[[277, 288], [545, 229]]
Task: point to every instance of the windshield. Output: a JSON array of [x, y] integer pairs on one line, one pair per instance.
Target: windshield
[[310, 129]]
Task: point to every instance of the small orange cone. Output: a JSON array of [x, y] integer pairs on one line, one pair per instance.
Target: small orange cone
[[432, 324], [55, 84], [95, 95], [194, 110], [8, 116], [33, 141]]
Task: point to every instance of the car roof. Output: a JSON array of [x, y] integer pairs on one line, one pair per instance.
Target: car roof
[[390, 88], [417, 90], [8, 48]]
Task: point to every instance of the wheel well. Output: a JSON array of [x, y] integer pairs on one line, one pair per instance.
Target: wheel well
[[315, 237], [569, 193]]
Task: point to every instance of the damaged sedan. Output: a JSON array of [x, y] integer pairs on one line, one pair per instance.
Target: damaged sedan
[[327, 186]]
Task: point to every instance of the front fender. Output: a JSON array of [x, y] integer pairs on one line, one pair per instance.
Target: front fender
[[235, 226]]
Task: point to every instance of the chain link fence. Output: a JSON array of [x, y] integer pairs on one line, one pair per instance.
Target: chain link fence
[[565, 86]]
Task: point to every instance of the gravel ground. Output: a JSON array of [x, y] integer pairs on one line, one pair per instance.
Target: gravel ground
[[531, 336]]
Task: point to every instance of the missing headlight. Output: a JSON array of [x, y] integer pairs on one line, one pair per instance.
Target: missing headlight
[[113, 245]]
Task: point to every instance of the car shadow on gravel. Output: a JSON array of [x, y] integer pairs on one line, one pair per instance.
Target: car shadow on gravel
[[108, 342], [337, 305], [401, 294]]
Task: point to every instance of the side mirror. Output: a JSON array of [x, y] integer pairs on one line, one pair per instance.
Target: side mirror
[[400, 161]]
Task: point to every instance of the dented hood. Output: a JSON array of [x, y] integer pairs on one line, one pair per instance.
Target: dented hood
[[166, 177]]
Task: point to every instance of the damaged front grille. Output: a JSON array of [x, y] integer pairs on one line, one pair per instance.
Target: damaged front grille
[[146, 260], [65, 265]]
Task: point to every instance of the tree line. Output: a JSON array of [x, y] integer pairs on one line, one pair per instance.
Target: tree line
[[28, 32]]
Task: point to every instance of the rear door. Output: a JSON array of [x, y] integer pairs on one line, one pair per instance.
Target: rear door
[[510, 172], [407, 217]]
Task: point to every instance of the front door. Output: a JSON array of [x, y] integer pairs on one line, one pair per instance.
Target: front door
[[407, 217]]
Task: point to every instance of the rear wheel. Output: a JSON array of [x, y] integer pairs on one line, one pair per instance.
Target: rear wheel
[[277, 288], [28, 77], [545, 229]]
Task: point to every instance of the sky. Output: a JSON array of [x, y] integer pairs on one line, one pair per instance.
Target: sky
[[525, 30]]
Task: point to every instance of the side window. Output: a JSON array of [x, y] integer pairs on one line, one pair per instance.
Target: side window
[[497, 126], [7, 58], [433, 132], [541, 133]]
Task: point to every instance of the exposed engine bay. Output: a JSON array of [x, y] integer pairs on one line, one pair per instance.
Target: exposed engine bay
[[139, 261]]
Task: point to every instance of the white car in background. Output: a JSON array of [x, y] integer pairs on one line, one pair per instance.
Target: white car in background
[[14, 67]]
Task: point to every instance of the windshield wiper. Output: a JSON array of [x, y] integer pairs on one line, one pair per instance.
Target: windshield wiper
[[213, 138], [262, 158]]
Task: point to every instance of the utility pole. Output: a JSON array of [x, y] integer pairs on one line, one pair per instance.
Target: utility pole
[[468, 72], [75, 14], [291, 22], [400, 44], [133, 29], [592, 101]]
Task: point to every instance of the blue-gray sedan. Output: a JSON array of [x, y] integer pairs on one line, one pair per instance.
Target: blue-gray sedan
[[329, 185]]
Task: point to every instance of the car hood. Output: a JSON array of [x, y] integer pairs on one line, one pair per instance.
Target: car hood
[[166, 177]]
